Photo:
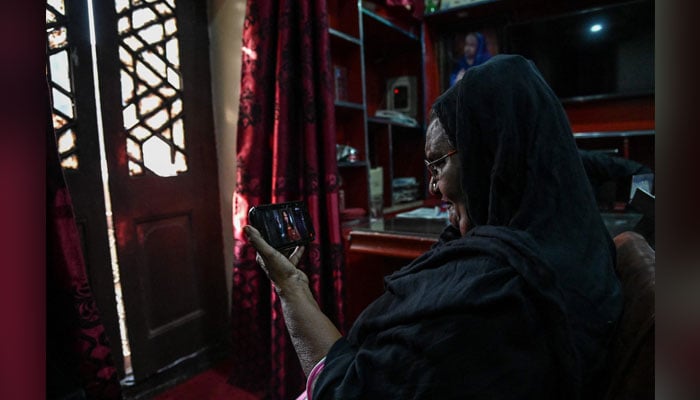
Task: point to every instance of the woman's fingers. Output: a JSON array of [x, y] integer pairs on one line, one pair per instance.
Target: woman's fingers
[[260, 261], [258, 242], [275, 264], [296, 255]]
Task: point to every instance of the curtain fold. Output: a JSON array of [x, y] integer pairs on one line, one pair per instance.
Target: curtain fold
[[285, 151], [78, 353]]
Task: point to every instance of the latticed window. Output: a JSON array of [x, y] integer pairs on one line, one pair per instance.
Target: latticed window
[[61, 82], [151, 86]]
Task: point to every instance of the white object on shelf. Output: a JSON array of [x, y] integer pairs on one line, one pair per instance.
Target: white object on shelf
[[424, 213], [396, 116]]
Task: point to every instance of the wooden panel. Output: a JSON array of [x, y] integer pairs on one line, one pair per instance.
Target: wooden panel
[[343, 16], [612, 115], [346, 55], [430, 69], [364, 280], [169, 282], [407, 147], [355, 185], [374, 254], [396, 245]]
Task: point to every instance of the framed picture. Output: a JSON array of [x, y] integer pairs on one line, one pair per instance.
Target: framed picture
[[465, 49]]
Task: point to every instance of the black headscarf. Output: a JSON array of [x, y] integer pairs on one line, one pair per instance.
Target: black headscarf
[[522, 169], [524, 304]]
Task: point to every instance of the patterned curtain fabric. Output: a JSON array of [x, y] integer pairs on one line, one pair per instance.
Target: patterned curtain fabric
[[78, 353], [286, 151]]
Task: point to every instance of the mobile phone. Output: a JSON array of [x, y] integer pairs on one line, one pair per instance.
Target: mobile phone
[[283, 225]]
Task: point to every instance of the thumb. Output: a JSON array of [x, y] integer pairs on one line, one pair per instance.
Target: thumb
[[256, 239], [296, 255], [274, 262]]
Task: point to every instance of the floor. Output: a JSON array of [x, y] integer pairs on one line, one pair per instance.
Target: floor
[[209, 385]]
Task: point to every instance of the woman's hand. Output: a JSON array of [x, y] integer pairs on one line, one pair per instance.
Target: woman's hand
[[312, 333], [282, 271]]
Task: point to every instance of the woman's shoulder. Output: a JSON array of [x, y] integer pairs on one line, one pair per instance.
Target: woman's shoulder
[[479, 256], [502, 243], [482, 250]]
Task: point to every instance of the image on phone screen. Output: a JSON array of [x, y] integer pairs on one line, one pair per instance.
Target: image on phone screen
[[283, 225]]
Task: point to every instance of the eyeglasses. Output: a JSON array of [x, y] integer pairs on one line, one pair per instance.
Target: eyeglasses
[[433, 165]]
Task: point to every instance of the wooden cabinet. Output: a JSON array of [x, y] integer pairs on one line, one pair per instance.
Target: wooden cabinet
[[370, 47]]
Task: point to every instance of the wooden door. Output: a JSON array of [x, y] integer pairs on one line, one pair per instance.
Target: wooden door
[[160, 146], [70, 78]]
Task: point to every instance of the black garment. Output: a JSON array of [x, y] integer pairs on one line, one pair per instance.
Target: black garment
[[524, 305], [601, 167], [477, 317], [610, 177]]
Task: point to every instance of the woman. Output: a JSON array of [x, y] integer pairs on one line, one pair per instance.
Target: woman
[[289, 228], [518, 299], [475, 52]]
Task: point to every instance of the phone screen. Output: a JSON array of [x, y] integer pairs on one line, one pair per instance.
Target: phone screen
[[283, 225]]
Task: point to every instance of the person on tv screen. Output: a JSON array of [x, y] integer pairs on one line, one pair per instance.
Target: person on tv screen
[[475, 53], [518, 298]]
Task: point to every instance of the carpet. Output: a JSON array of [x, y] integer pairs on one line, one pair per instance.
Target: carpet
[[209, 385]]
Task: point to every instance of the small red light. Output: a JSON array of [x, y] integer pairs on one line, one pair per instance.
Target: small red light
[[396, 91]]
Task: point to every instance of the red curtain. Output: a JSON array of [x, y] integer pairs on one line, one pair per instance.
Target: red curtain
[[78, 353], [286, 151]]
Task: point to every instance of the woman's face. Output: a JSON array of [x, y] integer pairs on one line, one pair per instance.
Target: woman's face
[[470, 45], [447, 182]]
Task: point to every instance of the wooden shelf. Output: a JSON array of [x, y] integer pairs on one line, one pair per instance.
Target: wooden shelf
[[375, 22], [612, 134], [386, 121], [343, 36], [349, 105], [368, 48], [394, 17], [354, 164]]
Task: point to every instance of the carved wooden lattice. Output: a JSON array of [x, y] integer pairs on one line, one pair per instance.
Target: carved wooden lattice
[[151, 86], [59, 75]]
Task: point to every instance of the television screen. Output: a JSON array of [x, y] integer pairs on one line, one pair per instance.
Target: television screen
[[606, 51]]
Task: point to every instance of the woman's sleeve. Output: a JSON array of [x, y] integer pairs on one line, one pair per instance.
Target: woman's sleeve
[[311, 380], [339, 358]]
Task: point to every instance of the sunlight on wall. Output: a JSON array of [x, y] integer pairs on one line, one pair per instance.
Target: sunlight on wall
[[225, 38]]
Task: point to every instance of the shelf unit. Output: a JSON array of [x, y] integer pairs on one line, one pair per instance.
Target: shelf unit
[[371, 44]]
